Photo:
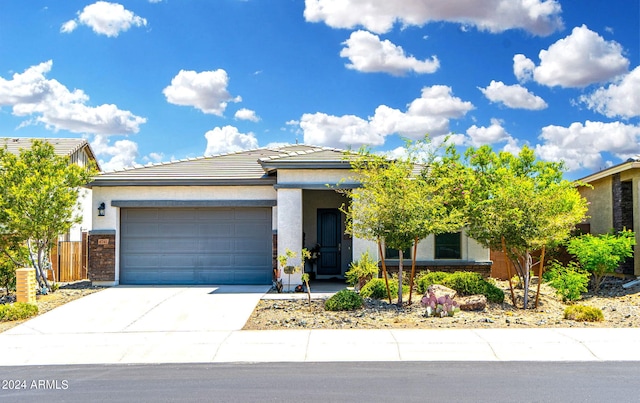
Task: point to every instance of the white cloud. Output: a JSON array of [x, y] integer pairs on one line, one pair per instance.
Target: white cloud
[[488, 135], [429, 114], [327, 130], [368, 54], [247, 114], [228, 139], [540, 17], [120, 155], [69, 26], [580, 59], [619, 99], [206, 91], [523, 68], [105, 18], [513, 96], [52, 104], [153, 157], [581, 145]]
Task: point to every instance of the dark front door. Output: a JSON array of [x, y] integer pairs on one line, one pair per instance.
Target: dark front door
[[329, 238]]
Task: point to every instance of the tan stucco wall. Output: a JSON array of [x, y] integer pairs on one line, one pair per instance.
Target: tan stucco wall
[[600, 205]]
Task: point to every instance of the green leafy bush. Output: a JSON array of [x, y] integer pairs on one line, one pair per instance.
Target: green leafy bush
[[463, 282], [377, 289], [7, 276], [362, 270], [570, 281], [344, 300], [602, 254], [425, 279], [17, 311], [583, 313]]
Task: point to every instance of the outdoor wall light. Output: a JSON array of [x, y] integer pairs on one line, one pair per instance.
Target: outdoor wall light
[[101, 208]]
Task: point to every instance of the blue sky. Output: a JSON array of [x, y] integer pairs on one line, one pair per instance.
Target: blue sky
[[149, 81]]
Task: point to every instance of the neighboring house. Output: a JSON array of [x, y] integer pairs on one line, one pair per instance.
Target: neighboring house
[[223, 219], [79, 152], [614, 203]]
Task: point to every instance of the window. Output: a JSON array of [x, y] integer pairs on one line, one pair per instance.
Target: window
[[448, 246], [393, 253]]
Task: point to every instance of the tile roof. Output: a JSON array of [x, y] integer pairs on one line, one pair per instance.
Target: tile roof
[[62, 146], [242, 165]]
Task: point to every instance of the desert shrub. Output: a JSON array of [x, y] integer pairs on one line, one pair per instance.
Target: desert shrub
[[602, 254], [344, 300], [569, 282], [470, 283], [377, 289], [17, 311], [583, 313], [362, 270], [424, 280]]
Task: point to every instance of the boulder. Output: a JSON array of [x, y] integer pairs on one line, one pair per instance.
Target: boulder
[[440, 291], [472, 303]]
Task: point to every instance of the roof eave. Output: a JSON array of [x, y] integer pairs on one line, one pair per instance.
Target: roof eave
[[625, 166], [112, 182]]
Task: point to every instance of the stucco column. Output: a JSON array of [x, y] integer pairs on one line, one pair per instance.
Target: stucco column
[[290, 230]]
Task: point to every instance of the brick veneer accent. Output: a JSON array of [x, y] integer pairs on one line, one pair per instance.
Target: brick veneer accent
[[484, 268], [102, 257]]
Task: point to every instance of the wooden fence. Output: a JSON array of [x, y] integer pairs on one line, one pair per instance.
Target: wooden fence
[[69, 260]]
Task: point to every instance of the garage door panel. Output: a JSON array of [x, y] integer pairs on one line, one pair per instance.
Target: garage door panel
[[218, 244], [249, 245], [195, 246], [252, 215], [139, 215], [223, 229], [255, 260], [139, 229]]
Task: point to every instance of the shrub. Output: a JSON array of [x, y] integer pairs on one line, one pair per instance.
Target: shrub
[[7, 276], [569, 282], [602, 254], [344, 300], [463, 282], [17, 311], [583, 313], [362, 270], [424, 280], [377, 289]]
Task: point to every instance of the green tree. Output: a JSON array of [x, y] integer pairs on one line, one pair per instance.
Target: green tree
[[602, 254], [405, 199], [39, 193], [520, 205]]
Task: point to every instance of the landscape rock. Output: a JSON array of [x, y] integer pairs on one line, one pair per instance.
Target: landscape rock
[[472, 303]]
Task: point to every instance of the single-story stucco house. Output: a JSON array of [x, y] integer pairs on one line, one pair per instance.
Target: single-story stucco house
[[614, 203], [222, 220]]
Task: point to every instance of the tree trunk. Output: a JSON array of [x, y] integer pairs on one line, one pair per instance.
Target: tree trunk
[[384, 269], [399, 277], [413, 268], [526, 277]]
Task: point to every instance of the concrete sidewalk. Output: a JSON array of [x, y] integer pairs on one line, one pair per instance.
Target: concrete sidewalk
[[320, 345], [134, 325]]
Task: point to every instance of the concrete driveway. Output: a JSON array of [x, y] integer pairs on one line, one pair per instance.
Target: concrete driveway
[[150, 309]]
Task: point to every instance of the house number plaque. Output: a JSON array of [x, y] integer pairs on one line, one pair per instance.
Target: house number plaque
[[104, 241]]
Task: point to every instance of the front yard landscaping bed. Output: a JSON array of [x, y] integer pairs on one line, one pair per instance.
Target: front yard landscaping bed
[[621, 308]]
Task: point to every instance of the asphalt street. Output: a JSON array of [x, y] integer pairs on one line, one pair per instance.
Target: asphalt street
[[325, 382]]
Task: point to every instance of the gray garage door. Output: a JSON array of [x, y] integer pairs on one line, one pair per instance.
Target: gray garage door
[[195, 246]]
